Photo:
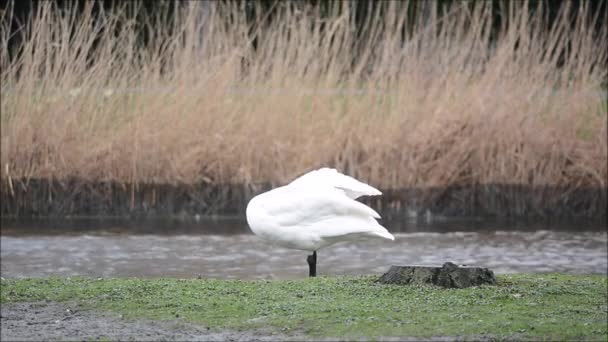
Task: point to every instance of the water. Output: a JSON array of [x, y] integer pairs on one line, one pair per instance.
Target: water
[[224, 248]]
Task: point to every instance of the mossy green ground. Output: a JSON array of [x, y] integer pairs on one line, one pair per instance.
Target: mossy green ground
[[546, 307]]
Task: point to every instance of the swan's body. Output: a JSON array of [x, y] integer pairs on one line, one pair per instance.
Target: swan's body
[[314, 211]]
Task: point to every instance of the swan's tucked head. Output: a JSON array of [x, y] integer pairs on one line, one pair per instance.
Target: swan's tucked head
[[255, 214], [249, 211]]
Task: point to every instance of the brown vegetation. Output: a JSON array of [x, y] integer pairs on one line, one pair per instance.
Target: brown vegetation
[[443, 106]]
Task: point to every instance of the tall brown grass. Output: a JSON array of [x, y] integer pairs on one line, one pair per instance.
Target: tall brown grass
[[439, 103]]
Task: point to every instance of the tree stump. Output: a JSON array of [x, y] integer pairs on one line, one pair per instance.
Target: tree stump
[[449, 275]]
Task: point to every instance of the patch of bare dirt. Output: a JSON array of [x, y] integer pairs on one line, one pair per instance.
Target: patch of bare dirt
[[49, 321]]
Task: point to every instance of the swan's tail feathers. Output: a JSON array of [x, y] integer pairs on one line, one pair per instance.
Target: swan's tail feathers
[[332, 178], [364, 209], [379, 231], [384, 234]]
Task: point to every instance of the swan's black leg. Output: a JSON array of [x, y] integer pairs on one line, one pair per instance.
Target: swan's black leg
[[312, 264]]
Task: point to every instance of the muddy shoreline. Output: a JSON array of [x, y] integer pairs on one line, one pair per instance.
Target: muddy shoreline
[[76, 197], [52, 321]]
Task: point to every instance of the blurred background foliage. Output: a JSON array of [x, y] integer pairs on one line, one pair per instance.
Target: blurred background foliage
[[141, 14]]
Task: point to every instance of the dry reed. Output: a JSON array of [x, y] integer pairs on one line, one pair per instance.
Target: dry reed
[[446, 104]]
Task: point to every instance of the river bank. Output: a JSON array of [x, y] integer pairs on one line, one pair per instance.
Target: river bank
[[549, 306], [74, 197]]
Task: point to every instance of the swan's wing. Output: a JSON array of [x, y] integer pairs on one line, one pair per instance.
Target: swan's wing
[[311, 217], [291, 206], [349, 228], [329, 213], [326, 177]]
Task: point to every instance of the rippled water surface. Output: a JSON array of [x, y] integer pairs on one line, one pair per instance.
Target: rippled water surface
[[225, 249]]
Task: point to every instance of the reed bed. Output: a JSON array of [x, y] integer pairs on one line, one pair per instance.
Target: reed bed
[[440, 102]]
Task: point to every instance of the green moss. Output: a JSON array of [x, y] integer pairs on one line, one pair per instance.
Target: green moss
[[550, 307]]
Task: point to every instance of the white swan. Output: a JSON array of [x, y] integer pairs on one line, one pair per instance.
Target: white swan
[[314, 211]]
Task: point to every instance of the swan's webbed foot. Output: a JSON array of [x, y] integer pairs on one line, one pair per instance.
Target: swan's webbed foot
[[312, 264]]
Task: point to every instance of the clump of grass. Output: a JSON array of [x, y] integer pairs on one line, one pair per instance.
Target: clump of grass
[[438, 102], [547, 307]]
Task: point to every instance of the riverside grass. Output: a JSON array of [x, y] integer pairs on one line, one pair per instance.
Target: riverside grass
[[417, 104], [522, 306]]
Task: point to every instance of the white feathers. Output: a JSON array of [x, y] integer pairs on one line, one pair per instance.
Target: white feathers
[[315, 210], [332, 178]]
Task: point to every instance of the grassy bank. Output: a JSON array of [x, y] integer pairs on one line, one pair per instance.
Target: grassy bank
[[546, 307], [441, 103]]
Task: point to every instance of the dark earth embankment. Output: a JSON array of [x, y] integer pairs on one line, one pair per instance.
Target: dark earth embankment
[[74, 197]]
